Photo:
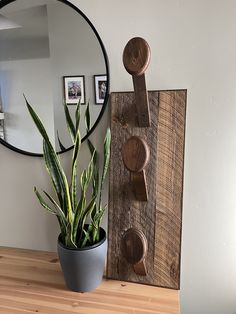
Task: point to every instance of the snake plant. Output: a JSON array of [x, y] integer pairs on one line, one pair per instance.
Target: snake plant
[[79, 211]]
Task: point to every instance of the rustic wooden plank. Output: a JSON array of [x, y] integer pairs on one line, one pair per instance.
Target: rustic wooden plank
[[170, 156], [161, 217], [21, 294], [124, 210]]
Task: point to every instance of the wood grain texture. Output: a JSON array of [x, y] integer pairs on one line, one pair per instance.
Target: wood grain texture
[[134, 249], [160, 219], [136, 56], [141, 101], [139, 183], [135, 154], [134, 246], [32, 282]]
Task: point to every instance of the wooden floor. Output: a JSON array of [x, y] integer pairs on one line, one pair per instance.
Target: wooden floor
[[32, 282]]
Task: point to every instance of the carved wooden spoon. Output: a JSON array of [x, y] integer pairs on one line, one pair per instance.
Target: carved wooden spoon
[[136, 58]]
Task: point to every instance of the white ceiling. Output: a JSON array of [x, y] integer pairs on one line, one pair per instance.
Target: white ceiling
[[5, 23], [33, 22]]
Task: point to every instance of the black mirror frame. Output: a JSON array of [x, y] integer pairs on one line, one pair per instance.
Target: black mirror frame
[[6, 2]]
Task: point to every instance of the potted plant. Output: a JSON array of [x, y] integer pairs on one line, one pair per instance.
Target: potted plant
[[82, 243]]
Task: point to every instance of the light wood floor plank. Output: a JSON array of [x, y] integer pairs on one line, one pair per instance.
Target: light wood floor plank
[[32, 282]]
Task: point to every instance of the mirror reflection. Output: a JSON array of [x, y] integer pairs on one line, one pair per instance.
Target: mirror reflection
[[50, 53]]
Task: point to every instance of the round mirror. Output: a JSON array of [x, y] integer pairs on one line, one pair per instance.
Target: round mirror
[[51, 53]]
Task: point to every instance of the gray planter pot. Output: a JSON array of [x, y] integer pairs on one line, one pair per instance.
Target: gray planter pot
[[83, 268]]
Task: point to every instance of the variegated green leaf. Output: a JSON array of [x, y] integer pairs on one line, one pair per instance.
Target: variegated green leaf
[[50, 210], [70, 124], [62, 147], [77, 116], [87, 118], [58, 209], [87, 238], [85, 214], [51, 168], [57, 184], [74, 170], [37, 122], [43, 203], [83, 179], [78, 214], [87, 211], [107, 145], [58, 176]]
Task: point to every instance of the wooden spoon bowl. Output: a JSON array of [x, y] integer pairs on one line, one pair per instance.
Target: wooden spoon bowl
[[135, 154], [136, 56]]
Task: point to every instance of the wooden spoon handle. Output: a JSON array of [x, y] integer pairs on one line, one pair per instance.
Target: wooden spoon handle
[[141, 101], [139, 183], [140, 268]]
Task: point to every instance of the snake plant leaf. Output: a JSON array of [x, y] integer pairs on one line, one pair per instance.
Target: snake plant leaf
[[70, 124], [43, 203], [87, 238], [62, 147], [60, 214], [78, 214], [95, 182], [87, 211], [58, 209], [77, 116], [83, 179], [50, 210], [37, 122], [57, 184], [87, 175], [85, 214], [90, 171], [58, 177], [74, 169], [87, 118], [97, 222], [92, 151], [97, 217], [43, 132], [107, 145], [56, 173]]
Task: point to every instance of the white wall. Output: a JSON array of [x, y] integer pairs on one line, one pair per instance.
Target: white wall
[[193, 46], [30, 77]]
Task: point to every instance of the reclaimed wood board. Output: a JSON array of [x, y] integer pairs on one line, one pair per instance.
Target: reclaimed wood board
[[160, 218]]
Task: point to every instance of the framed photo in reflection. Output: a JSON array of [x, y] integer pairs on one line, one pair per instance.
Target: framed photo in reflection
[[74, 89], [100, 86]]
